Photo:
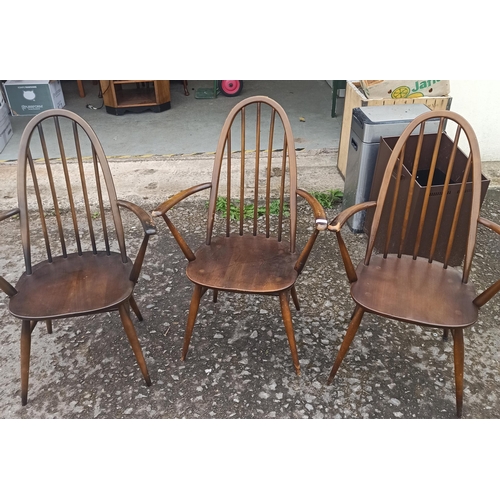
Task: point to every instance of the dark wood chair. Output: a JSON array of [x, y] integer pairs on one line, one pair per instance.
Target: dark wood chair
[[403, 285], [260, 260], [76, 277]]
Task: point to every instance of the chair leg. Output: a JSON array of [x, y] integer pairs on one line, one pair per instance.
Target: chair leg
[[135, 308], [193, 311], [349, 336], [25, 359], [216, 294], [446, 331], [295, 298], [458, 348], [133, 340], [287, 320], [49, 326]]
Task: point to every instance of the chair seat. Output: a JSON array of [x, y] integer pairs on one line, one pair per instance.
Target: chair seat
[[415, 291], [71, 286], [246, 264]]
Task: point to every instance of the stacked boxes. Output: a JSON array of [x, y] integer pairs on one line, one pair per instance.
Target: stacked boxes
[[5, 125], [30, 97]]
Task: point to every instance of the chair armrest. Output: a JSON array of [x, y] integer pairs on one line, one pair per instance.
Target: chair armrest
[[490, 225], [5, 286], [5, 214], [147, 222], [168, 204], [491, 291], [338, 222], [318, 210]]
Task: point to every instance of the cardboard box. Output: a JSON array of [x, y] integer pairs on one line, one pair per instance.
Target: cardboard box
[[387, 145], [30, 97], [404, 89], [5, 125], [5, 136], [355, 98]]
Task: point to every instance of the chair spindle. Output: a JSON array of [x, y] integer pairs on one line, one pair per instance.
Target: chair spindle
[[52, 189], [257, 158]]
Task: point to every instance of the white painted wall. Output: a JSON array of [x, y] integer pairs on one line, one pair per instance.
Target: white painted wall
[[479, 103]]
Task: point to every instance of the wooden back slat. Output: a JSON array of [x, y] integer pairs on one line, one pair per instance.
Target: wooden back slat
[[428, 188], [257, 158], [228, 188], [84, 188], [268, 169], [282, 190], [442, 202], [68, 184], [394, 200], [242, 170], [101, 203], [430, 152], [41, 211], [457, 210], [264, 112], [53, 190]]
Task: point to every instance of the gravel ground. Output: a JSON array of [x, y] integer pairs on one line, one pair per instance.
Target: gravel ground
[[239, 363]]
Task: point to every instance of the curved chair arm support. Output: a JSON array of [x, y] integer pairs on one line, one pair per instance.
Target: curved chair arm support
[[147, 222], [149, 229], [171, 202], [321, 224], [490, 292], [8, 213], [5, 286], [318, 210], [337, 223]]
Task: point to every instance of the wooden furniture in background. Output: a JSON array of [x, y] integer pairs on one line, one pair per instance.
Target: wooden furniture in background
[[260, 261], [406, 287], [77, 278], [354, 98], [121, 96]]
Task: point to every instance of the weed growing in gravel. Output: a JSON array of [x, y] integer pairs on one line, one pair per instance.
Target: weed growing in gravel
[[248, 210]]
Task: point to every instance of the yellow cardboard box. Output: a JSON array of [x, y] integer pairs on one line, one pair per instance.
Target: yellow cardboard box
[[404, 89]]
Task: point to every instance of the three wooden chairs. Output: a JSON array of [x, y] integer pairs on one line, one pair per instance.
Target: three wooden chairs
[[255, 157]]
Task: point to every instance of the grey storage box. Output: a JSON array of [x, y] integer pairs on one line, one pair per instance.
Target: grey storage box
[[368, 125]]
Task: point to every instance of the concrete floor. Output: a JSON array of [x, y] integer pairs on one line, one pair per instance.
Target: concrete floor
[[193, 125]]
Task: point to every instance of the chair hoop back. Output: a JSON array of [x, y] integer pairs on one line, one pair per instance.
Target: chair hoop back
[[412, 222], [247, 138], [55, 141]]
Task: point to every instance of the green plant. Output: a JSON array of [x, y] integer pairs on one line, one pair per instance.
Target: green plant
[[248, 210], [328, 198]]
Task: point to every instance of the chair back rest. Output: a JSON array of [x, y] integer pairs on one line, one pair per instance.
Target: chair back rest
[[256, 153], [61, 185], [430, 191]]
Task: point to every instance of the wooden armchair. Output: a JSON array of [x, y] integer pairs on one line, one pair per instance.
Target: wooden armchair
[[403, 285], [258, 260], [76, 277]]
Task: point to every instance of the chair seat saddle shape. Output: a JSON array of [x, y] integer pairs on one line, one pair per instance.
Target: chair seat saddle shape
[[250, 257], [247, 264], [404, 284], [91, 283], [86, 277], [420, 285]]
